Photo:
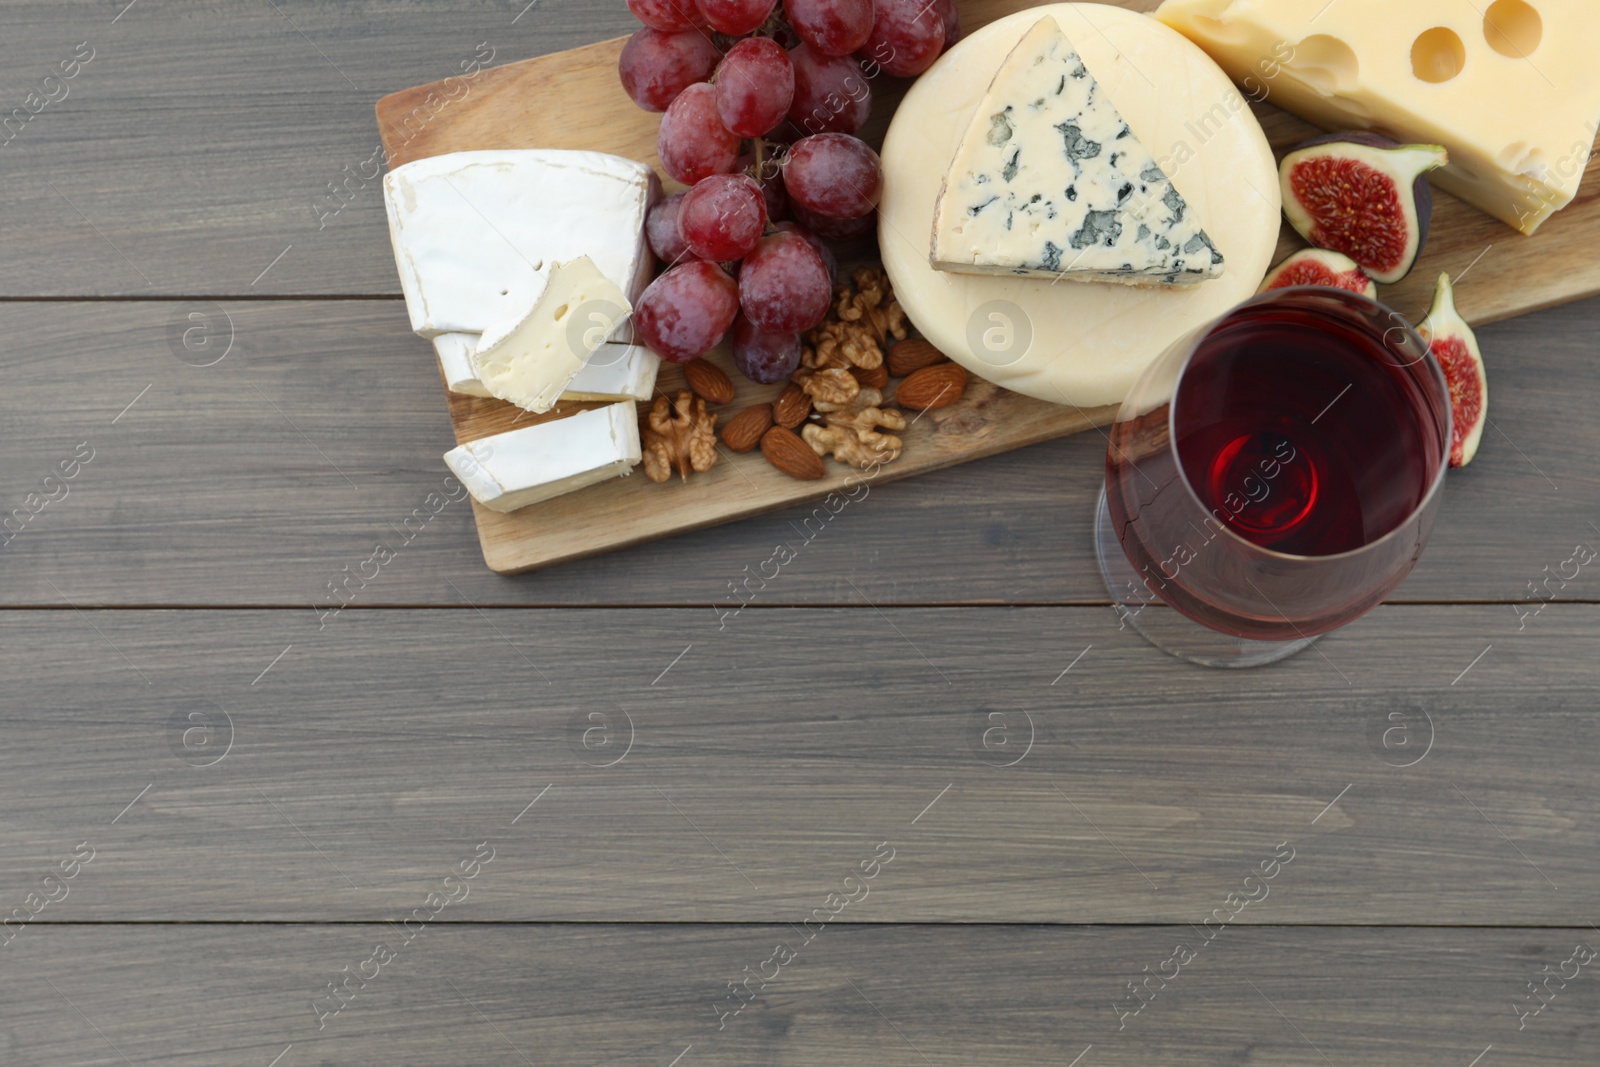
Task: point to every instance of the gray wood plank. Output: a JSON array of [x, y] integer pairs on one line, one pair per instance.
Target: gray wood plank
[[198, 142], [261, 478], [247, 765], [651, 995]]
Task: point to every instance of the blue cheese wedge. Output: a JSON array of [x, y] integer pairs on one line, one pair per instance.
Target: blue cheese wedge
[[512, 470], [1050, 180]]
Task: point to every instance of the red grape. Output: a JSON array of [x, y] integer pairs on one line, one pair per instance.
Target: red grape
[[686, 311], [656, 66], [952, 21], [668, 16], [831, 95], [833, 175], [770, 177], [907, 36], [693, 143], [764, 357], [736, 18], [776, 197], [829, 260], [784, 286], [755, 86], [661, 230], [832, 27], [723, 217], [835, 229]]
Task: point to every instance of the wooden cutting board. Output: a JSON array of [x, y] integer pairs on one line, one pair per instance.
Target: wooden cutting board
[[574, 100]]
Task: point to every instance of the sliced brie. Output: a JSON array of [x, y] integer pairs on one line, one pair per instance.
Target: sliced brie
[[1050, 180], [613, 371], [528, 360], [521, 467], [474, 233], [616, 372], [455, 363]]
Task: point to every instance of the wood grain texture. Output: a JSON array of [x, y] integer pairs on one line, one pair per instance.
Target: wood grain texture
[[644, 995], [573, 100], [295, 774], [221, 485], [200, 142]]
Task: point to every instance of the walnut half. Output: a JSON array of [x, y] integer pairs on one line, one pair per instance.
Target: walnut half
[[852, 433], [680, 436]]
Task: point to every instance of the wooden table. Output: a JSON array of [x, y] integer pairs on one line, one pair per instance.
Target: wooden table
[[581, 811]]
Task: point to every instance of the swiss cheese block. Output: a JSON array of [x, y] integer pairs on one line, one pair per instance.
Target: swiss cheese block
[[1510, 87], [1081, 344], [529, 360], [520, 467], [474, 233], [1051, 180]]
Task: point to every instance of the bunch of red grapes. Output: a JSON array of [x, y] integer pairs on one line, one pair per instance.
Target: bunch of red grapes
[[762, 101]]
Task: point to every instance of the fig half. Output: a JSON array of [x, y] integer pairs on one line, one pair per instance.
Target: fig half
[[1317, 266], [1365, 195], [1454, 345]]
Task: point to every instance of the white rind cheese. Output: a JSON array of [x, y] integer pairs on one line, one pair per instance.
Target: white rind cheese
[[474, 233], [513, 470], [1511, 89], [1051, 180], [528, 361], [1083, 345], [613, 372], [455, 363], [616, 372]]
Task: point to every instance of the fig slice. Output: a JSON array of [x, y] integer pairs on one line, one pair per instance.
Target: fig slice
[[1317, 266], [1365, 195], [1454, 345]]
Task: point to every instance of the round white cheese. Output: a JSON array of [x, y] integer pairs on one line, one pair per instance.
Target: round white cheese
[[1081, 343]]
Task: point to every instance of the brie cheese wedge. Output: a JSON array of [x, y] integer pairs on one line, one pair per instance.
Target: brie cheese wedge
[[613, 371], [475, 233], [528, 360], [512, 470], [455, 363]]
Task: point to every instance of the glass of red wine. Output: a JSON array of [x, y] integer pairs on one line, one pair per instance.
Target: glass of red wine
[[1273, 476]]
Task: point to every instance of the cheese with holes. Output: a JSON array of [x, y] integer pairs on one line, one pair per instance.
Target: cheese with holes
[[1083, 345], [475, 233], [1051, 180], [1510, 87], [530, 359], [520, 467]]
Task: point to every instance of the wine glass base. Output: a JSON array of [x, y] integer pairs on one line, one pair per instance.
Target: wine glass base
[[1169, 630]]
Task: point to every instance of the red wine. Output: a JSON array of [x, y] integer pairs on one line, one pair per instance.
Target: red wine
[[1306, 432], [1303, 439]]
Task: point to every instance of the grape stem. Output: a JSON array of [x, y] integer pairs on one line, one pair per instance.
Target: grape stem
[[775, 19]]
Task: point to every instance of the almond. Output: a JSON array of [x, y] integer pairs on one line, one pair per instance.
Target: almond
[[743, 431], [876, 378], [792, 407], [791, 455], [708, 381], [937, 386], [908, 357]]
